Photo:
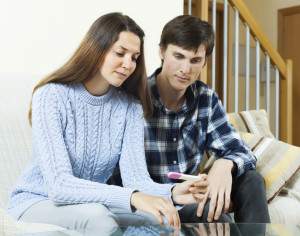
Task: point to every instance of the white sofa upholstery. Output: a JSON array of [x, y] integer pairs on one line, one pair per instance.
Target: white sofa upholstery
[[15, 149], [15, 146]]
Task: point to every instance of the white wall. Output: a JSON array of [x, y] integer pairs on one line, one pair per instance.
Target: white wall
[[37, 36], [265, 12]]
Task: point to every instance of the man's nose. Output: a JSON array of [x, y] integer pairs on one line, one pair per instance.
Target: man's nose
[[186, 68]]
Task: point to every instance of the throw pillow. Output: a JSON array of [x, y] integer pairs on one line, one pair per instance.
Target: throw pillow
[[277, 161], [254, 121]]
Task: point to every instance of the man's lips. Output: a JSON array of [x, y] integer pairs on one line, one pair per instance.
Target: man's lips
[[182, 79]]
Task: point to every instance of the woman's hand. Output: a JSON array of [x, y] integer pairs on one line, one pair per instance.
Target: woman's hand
[[156, 206], [189, 192]]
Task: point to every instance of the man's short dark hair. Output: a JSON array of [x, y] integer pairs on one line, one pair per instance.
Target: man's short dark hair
[[188, 32]]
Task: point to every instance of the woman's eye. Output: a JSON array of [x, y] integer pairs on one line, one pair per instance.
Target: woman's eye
[[134, 59], [119, 54]]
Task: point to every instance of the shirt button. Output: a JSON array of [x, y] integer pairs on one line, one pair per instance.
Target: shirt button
[[174, 162], [174, 139]]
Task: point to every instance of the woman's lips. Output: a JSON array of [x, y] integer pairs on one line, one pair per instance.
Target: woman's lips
[[121, 74]]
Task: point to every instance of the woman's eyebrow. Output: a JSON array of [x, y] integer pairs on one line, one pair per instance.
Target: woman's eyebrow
[[137, 53]]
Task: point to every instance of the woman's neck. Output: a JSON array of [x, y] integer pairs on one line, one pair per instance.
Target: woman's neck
[[97, 86]]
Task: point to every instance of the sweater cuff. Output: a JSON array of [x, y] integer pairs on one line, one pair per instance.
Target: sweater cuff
[[122, 199]]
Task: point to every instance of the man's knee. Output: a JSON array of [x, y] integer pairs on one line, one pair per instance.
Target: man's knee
[[254, 177], [188, 214], [249, 181]]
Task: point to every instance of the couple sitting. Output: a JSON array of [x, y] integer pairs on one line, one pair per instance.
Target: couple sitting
[[99, 111]]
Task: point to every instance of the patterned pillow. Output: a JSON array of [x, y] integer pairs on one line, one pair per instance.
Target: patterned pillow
[[255, 122], [277, 161]]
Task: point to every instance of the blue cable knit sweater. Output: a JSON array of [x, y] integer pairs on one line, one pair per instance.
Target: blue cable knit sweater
[[77, 141]]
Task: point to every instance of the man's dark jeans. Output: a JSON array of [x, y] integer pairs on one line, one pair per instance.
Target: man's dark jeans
[[249, 202]]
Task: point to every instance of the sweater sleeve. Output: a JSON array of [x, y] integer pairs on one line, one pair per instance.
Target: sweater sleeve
[[48, 142], [133, 166]]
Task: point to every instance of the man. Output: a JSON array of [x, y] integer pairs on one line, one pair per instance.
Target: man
[[188, 117]]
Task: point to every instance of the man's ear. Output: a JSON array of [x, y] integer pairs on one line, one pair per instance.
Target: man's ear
[[161, 53], [204, 62]]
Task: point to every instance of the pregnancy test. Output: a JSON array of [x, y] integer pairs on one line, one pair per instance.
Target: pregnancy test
[[175, 175]]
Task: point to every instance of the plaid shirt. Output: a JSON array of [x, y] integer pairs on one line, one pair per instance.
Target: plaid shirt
[[175, 141]]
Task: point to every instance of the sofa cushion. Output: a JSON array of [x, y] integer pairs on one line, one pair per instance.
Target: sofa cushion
[[284, 210], [8, 226], [254, 121], [277, 161], [15, 131]]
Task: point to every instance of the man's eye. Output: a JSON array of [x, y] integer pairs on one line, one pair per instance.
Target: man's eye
[[196, 61], [178, 56]]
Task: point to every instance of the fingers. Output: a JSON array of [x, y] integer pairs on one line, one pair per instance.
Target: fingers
[[199, 189], [170, 213], [202, 205], [158, 216], [212, 207], [219, 208], [202, 230], [199, 197], [227, 229], [156, 206], [227, 202]]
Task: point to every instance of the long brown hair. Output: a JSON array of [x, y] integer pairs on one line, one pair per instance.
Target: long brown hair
[[91, 52]]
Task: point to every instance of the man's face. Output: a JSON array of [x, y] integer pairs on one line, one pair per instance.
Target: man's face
[[181, 67]]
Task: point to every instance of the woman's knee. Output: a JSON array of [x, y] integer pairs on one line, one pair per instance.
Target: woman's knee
[[97, 215]]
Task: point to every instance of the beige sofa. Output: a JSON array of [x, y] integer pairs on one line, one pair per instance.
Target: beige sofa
[[15, 149]]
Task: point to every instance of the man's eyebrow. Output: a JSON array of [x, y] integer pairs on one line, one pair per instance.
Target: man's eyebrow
[[176, 52], [179, 53]]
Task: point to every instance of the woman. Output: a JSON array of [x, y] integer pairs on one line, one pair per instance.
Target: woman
[[86, 117]]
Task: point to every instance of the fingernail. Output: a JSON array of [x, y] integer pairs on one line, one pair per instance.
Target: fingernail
[[209, 220], [191, 189]]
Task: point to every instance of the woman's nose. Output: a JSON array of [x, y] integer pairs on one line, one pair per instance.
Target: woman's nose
[[127, 63]]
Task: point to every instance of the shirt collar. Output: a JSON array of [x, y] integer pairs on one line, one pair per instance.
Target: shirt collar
[[189, 95]]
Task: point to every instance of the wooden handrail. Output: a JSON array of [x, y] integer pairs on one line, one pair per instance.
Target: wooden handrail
[[203, 10], [284, 67], [257, 32]]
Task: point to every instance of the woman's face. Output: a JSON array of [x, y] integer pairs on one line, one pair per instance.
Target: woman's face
[[120, 60]]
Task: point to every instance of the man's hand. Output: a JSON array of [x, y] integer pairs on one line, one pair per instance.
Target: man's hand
[[219, 189], [189, 192]]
